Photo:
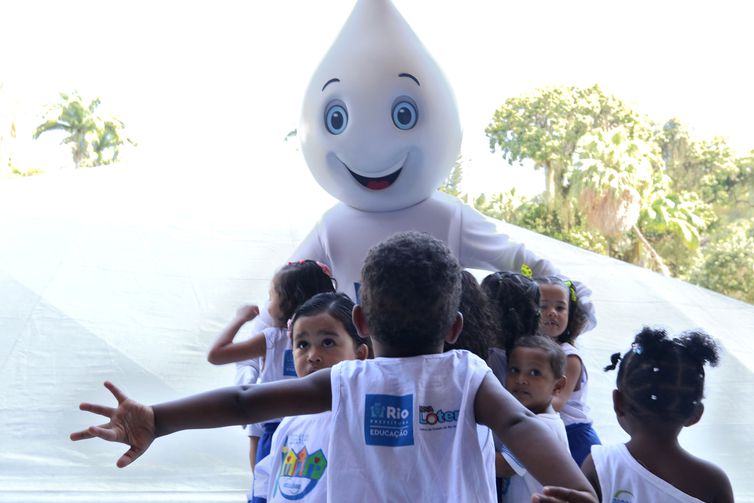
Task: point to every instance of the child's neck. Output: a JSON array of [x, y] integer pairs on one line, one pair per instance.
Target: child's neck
[[543, 410], [390, 351], [645, 443]]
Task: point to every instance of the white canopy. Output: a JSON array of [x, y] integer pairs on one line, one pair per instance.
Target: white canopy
[[127, 274]]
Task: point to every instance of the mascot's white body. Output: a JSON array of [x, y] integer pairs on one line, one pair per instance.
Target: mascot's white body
[[380, 132], [344, 235]]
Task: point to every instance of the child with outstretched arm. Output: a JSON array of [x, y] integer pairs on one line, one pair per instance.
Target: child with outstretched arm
[[410, 296]]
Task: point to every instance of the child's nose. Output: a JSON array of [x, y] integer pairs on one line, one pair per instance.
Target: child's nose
[[314, 356]]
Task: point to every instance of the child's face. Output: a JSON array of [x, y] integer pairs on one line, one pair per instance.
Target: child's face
[[321, 341], [530, 378], [553, 309]]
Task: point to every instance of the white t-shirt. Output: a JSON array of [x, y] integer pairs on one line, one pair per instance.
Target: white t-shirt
[[576, 410], [624, 480], [522, 485], [405, 430], [278, 359], [344, 235], [296, 468]]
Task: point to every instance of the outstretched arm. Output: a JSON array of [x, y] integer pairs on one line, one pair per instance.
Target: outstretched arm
[[224, 350], [528, 439], [138, 425]]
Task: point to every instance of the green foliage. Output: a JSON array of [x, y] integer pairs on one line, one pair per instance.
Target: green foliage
[[616, 183], [27, 172], [537, 215], [709, 168], [728, 262], [547, 126], [94, 140], [452, 184]]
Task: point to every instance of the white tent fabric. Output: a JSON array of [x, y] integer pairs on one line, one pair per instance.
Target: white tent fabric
[[127, 274]]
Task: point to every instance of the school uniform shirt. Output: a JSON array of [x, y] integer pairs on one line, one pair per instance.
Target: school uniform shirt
[[521, 486], [404, 430], [624, 480], [576, 410], [296, 468], [278, 359]]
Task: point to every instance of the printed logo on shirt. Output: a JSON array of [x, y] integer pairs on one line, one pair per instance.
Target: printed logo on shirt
[[623, 496], [440, 419], [389, 420], [289, 369], [299, 472]]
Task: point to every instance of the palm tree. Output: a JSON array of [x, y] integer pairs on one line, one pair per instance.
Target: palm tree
[[94, 140], [611, 177]]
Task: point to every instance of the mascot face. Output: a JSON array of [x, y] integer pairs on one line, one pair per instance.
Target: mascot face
[[379, 128]]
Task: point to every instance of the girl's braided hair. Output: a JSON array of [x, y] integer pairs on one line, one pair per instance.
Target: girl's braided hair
[[514, 300], [479, 325], [663, 377]]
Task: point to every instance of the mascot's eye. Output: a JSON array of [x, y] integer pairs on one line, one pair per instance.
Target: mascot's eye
[[405, 114], [336, 119]]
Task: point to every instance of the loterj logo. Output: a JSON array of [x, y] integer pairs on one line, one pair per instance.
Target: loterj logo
[[428, 416], [389, 420]]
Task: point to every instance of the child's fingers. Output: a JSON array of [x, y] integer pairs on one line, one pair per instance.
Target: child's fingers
[[117, 393], [103, 433], [129, 457], [81, 435], [97, 409]]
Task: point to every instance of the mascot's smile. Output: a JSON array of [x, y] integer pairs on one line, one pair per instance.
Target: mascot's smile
[[379, 182]]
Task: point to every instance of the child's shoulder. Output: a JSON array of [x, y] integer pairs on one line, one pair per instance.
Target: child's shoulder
[[708, 480]]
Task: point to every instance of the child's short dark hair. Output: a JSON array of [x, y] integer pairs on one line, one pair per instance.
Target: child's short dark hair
[[337, 305], [479, 326], [514, 300], [662, 377], [577, 316], [554, 352], [296, 282], [410, 291]]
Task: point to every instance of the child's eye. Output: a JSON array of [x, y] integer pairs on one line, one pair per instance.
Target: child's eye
[[302, 345], [535, 373], [512, 370], [328, 343]]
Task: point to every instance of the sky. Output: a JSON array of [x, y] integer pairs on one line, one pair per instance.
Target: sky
[[207, 85]]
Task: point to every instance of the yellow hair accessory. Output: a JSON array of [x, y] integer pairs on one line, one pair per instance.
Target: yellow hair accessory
[[571, 289], [526, 271]]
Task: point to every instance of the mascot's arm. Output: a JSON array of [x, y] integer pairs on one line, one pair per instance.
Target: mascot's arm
[[483, 246]]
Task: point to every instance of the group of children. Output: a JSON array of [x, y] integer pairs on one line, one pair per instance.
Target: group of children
[[429, 418]]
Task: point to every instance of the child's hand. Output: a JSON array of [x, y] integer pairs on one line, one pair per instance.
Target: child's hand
[[130, 423], [563, 495], [247, 312]]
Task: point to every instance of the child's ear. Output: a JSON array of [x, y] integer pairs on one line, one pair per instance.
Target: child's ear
[[359, 322], [455, 329], [618, 406], [696, 416], [362, 352], [559, 385]]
